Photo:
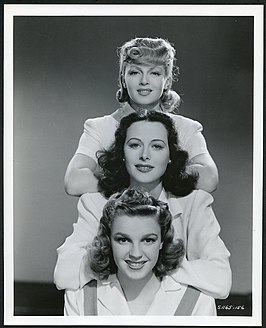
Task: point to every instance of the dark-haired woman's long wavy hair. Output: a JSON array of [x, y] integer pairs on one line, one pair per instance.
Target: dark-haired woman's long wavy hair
[[135, 203], [113, 176]]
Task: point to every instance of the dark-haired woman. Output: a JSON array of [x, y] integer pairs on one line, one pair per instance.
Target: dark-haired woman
[[146, 73], [132, 258], [146, 154]]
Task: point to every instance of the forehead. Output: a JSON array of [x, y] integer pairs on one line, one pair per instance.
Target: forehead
[[145, 129], [144, 66], [136, 226]]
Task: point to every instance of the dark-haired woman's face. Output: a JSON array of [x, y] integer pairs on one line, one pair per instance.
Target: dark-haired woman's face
[[145, 84], [146, 153]]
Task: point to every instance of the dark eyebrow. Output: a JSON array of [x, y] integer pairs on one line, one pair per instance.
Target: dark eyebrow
[[159, 140], [134, 138], [127, 236], [150, 235], [121, 234]]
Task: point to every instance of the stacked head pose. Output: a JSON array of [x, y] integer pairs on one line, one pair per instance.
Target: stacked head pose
[[134, 258], [146, 72], [135, 253], [152, 139]]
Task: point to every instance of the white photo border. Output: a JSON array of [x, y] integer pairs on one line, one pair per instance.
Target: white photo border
[[131, 10]]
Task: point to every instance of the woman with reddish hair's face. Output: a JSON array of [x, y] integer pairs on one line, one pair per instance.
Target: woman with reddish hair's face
[[145, 84]]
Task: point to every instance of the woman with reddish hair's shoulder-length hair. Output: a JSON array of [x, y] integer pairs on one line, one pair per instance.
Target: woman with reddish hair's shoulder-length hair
[[113, 176], [136, 203]]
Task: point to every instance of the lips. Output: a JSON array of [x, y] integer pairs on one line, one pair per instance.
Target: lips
[[144, 92], [135, 265], [144, 168]]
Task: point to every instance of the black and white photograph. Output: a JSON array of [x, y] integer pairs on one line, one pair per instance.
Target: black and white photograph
[[133, 151]]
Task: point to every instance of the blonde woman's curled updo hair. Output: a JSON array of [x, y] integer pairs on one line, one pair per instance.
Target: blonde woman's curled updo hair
[[154, 51]]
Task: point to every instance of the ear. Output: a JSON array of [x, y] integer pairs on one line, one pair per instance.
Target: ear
[[161, 245]]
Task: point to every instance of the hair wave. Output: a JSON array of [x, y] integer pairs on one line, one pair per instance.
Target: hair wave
[[134, 202], [113, 176], [155, 51]]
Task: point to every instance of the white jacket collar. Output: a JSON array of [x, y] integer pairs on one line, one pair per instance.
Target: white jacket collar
[[173, 203], [111, 296], [170, 284], [111, 290]]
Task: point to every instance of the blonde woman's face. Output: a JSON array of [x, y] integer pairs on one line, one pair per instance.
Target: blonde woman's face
[[144, 84]]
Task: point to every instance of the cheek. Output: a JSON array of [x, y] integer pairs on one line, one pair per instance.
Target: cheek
[[119, 252], [161, 84], [130, 157], [153, 252], [164, 158]]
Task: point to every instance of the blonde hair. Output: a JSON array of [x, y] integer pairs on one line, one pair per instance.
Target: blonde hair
[[155, 51]]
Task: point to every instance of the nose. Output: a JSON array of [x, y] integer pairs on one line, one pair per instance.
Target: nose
[[135, 252], [144, 79], [145, 154]]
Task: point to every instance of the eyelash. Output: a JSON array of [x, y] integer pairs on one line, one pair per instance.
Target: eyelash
[[123, 240], [133, 73], [157, 147], [136, 72], [149, 240], [134, 145]]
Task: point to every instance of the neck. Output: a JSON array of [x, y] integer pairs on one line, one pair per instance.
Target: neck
[[134, 288], [140, 108], [153, 189]]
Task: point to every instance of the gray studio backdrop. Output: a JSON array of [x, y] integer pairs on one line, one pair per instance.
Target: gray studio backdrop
[[66, 71]]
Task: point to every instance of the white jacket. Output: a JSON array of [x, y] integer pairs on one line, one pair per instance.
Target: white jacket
[[206, 263], [111, 300]]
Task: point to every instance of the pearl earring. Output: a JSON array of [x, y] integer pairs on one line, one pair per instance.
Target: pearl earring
[[169, 162]]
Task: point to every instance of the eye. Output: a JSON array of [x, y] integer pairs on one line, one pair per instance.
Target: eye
[[134, 145], [133, 72], [149, 241], [157, 146], [156, 73], [122, 240]]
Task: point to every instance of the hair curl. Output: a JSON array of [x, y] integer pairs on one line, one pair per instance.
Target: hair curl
[[135, 203], [113, 176], [155, 51]]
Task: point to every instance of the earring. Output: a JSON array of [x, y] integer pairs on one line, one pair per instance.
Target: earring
[[123, 160], [123, 82], [169, 162]]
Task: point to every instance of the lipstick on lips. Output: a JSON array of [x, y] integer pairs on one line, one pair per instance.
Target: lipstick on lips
[[135, 265], [144, 92], [144, 168]]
